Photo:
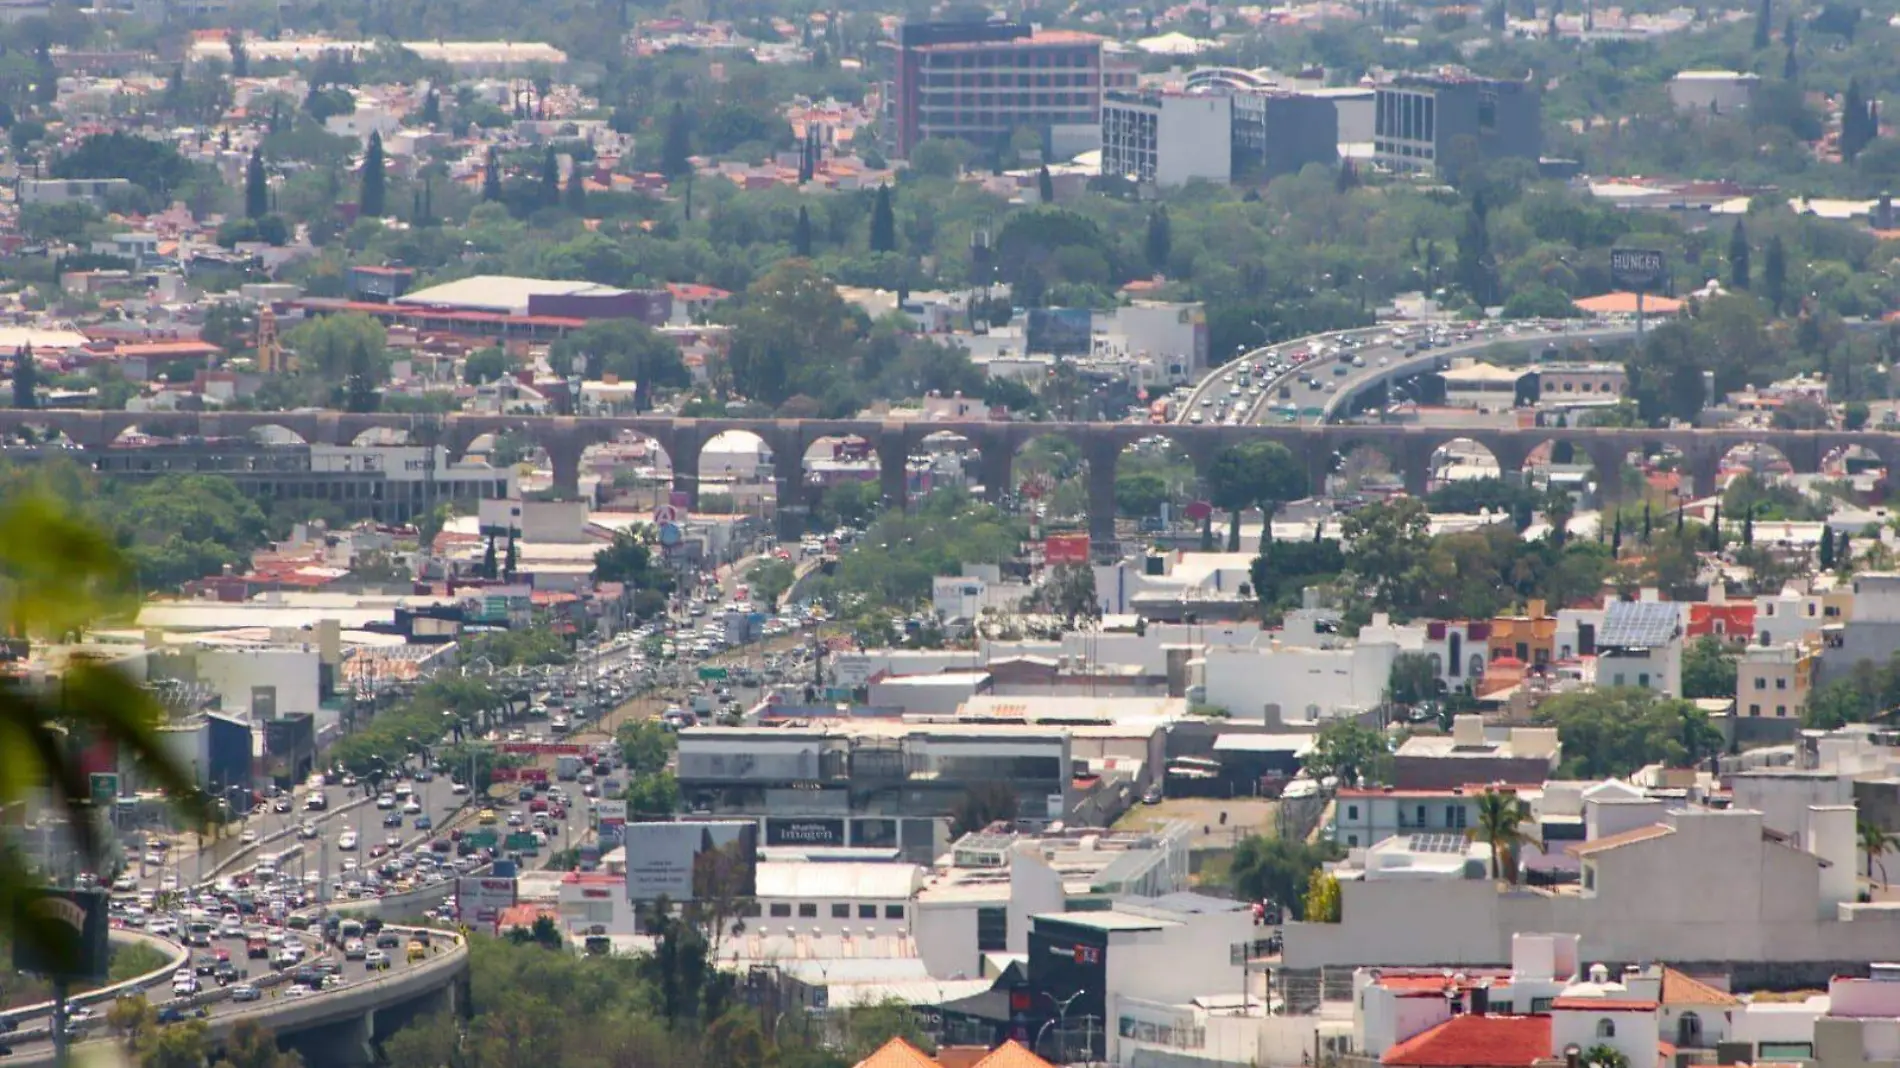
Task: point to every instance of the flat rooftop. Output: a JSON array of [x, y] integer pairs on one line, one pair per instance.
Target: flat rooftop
[[508, 294]]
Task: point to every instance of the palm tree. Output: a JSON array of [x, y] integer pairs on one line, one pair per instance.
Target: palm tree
[[1498, 817], [1874, 842], [58, 575]]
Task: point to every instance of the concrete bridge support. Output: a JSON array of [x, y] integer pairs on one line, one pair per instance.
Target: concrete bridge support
[[347, 1043], [1103, 456], [893, 467]]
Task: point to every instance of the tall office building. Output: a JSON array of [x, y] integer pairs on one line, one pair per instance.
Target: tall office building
[[1423, 122], [1170, 138], [983, 81]]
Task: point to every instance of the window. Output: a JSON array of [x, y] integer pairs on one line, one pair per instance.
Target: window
[[1352, 841], [1455, 816], [992, 929], [893, 912], [1642, 679], [781, 910], [840, 911], [1761, 683], [1781, 684], [1781, 711], [1689, 1030], [808, 910], [1352, 812], [867, 912], [1606, 1028], [1754, 710], [1541, 1005], [1621, 679]]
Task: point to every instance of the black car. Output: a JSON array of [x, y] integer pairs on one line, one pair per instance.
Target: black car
[[394, 819], [206, 964], [389, 940], [176, 1013]]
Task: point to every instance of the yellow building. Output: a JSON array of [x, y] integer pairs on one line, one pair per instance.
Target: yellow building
[[1531, 637]]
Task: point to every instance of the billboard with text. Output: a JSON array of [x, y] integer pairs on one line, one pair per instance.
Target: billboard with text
[[704, 860]]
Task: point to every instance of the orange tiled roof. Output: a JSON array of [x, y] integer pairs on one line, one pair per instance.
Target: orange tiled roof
[[1476, 1042], [897, 1053], [1680, 989], [1012, 1054]]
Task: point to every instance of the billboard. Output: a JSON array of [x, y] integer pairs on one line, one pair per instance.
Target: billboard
[[691, 861], [1059, 331], [482, 897], [851, 669], [1636, 268], [804, 830], [73, 927], [1060, 549], [610, 822]]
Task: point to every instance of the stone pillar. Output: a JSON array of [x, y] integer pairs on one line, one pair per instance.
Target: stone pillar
[[564, 455], [1415, 467], [1103, 456], [1609, 458], [997, 466], [893, 463], [790, 507], [683, 448], [1704, 465]]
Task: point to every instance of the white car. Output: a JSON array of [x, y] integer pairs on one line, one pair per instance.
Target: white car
[[185, 987], [346, 841], [412, 807], [386, 801], [249, 837]]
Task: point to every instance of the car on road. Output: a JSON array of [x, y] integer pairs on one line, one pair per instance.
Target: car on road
[[354, 949], [424, 823], [347, 841], [246, 992], [176, 1013], [376, 960], [385, 802]]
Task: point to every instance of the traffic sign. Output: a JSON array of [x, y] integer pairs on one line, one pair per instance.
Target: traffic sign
[[481, 839], [669, 535], [105, 787], [712, 674], [520, 841], [665, 514]]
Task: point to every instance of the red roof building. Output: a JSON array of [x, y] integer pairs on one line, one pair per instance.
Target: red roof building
[[1476, 1042]]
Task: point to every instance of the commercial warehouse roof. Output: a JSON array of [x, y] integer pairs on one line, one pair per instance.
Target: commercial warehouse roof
[[837, 881], [501, 293]]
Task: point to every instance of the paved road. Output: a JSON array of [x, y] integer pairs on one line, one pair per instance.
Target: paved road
[[212, 996]]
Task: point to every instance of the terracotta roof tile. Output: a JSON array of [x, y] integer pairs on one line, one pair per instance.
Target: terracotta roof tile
[[1680, 989], [1012, 1054], [1591, 1004], [1476, 1042], [897, 1053]]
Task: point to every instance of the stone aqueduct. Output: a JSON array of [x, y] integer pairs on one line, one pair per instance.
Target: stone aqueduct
[[565, 438]]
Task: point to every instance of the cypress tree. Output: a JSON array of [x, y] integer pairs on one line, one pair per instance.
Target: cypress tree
[[371, 203], [1774, 275], [1160, 243], [1748, 527], [26, 378], [576, 191], [1045, 185], [1844, 551], [1764, 22], [677, 151], [883, 222], [1738, 257], [1827, 548], [550, 177], [256, 187], [801, 234], [491, 177]]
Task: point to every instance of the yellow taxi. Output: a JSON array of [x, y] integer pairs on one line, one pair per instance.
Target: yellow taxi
[[417, 951], [487, 817]]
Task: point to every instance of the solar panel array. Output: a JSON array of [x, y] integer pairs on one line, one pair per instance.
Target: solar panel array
[[1437, 843], [1638, 624]]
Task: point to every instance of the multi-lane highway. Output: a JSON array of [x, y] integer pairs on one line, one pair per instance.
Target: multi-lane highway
[[1312, 379]]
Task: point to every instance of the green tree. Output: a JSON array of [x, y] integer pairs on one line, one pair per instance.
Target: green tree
[[491, 176], [1875, 843], [550, 178], [769, 580], [1708, 669], [26, 378], [576, 196], [375, 189], [801, 234], [1260, 474], [485, 365], [1159, 242], [1613, 732], [256, 187], [1276, 870], [1045, 186], [627, 349], [1411, 680], [331, 347], [1774, 275], [883, 222], [676, 154], [1738, 278], [1386, 548], [59, 577], [1351, 753], [1500, 820], [1602, 1055], [1322, 903]]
